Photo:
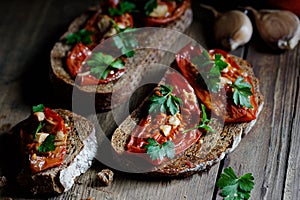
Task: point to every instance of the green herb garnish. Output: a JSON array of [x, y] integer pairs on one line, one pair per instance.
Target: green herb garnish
[[102, 64], [123, 7], [150, 6], [202, 60], [80, 36], [233, 187], [48, 144], [242, 92], [219, 63], [40, 126], [159, 151], [204, 122], [125, 42], [212, 77], [164, 102], [38, 108]]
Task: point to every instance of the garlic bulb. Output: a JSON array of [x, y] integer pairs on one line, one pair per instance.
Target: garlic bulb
[[278, 28], [232, 28]]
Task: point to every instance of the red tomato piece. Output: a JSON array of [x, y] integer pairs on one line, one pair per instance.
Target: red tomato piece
[[75, 59]]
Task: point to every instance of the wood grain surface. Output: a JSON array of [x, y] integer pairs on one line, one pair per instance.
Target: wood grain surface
[[28, 31]]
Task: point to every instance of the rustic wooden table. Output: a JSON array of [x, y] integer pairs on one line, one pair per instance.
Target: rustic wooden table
[[28, 30]]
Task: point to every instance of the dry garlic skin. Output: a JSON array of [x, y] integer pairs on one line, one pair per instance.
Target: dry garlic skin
[[280, 29], [232, 29]]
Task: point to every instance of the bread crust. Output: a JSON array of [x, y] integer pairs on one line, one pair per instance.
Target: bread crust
[[81, 150], [210, 148], [63, 84]]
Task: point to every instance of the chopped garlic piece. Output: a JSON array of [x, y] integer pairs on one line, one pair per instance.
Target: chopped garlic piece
[[104, 23], [33, 157], [225, 70], [245, 74], [159, 11], [40, 116], [174, 121], [189, 96], [166, 129], [40, 137], [110, 33], [224, 81], [121, 26], [60, 135], [59, 143]]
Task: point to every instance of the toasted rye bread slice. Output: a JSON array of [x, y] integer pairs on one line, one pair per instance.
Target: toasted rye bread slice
[[81, 149], [212, 146], [63, 84]]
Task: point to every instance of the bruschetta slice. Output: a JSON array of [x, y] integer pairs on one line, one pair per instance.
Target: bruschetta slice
[[56, 146]]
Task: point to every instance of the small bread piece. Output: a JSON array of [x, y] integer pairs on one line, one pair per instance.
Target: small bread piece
[[81, 149], [106, 176], [63, 84], [208, 150]]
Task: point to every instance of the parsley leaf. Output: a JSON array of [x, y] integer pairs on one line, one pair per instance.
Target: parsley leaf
[[219, 63], [234, 187], [123, 7], [80, 36], [164, 101], [204, 122], [40, 126], [102, 64], [125, 42], [150, 6], [48, 144], [202, 60], [212, 77], [38, 108], [242, 92], [159, 151]]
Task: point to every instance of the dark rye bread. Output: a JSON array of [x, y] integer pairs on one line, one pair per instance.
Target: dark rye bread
[[210, 149], [63, 84], [81, 149]]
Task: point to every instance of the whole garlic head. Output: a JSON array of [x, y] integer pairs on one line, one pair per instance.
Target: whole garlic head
[[280, 29], [233, 29]]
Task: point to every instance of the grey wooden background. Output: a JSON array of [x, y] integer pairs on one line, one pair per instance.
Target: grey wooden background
[[28, 30]]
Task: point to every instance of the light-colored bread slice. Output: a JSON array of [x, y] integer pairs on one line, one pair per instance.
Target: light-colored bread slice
[[210, 148], [81, 150], [63, 84]]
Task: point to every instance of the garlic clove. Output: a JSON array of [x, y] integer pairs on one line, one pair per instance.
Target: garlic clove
[[166, 129], [104, 23], [232, 29], [280, 29], [40, 137], [40, 116], [159, 11]]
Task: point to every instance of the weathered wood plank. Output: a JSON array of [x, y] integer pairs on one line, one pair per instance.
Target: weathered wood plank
[[267, 145], [292, 180], [135, 186], [270, 151]]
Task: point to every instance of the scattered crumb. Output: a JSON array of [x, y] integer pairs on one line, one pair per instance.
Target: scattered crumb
[[106, 176], [3, 181]]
